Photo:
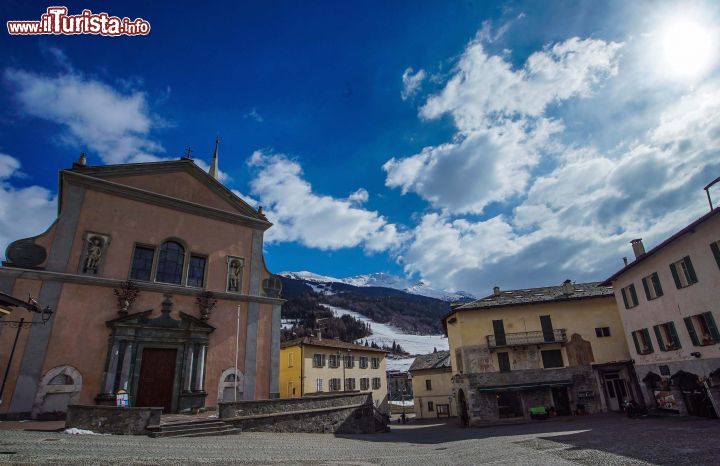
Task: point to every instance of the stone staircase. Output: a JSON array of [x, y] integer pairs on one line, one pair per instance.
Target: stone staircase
[[197, 428]]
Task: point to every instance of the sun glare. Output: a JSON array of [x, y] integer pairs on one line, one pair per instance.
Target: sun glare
[[688, 47]]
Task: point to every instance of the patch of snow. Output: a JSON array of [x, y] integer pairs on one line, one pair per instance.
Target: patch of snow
[[384, 334], [76, 431]]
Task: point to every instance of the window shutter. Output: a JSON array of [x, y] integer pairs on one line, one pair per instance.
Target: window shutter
[[674, 272], [656, 283], [622, 291], [637, 344], [690, 269], [674, 334], [659, 337], [633, 295], [716, 251], [647, 289], [710, 321], [647, 338], [324, 358], [691, 331]]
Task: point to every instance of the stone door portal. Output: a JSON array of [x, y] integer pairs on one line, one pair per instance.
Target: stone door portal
[[157, 374]]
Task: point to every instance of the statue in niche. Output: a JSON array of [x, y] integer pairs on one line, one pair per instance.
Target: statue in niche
[[93, 254], [235, 268]]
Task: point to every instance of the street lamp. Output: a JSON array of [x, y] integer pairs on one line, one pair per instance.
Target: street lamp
[[404, 390]]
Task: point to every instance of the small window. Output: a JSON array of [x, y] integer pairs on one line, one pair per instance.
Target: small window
[[431, 407], [376, 383], [629, 296], [375, 363], [350, 384], [318, 360], [683, 272], [504, 361], [667, 336], [142, 263], [552, 358], [333, 362], [601, 332], [641, 338], [715, 248], [702, 329], [651, 284], [363, 362], [170, 263], [349, 362], [364, 383], [428, 384], [334, 385], [319, 385], [196, 271]]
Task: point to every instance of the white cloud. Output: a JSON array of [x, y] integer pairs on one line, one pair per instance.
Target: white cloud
[[411, 82], [254, 115], [24, 212], [94, 115], [315, 220]]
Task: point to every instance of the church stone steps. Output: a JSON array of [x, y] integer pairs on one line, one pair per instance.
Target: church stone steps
[[193, 429]]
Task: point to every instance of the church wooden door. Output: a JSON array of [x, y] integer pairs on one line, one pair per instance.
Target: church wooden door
[[157, 376]]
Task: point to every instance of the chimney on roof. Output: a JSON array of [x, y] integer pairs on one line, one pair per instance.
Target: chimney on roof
[[319, 335], [496, 291], [568, 288], [638, 247], [625, 260]]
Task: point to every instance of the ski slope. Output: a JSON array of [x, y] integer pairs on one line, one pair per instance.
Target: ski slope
[[383, 334]]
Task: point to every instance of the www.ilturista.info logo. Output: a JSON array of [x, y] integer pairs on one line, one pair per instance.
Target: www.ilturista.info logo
[[56, 21]]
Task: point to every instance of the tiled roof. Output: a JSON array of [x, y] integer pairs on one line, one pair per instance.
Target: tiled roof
[[329, 343], [688, 229], [538, 295], [437, 360]]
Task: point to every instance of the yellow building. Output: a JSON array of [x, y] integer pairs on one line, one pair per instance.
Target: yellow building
[[432, 386], [312, 366], [560, 347]]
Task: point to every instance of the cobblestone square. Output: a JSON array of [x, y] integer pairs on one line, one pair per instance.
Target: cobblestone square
[[606, 439]]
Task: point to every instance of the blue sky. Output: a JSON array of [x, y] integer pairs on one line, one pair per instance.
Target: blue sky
[[469, 144]]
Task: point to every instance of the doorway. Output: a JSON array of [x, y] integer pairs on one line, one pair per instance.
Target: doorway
[[157, 377], [617, 392], [561, 400], [463, 409]]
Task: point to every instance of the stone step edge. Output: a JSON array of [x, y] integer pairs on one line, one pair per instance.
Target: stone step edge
[[291, 413], [232, 431]]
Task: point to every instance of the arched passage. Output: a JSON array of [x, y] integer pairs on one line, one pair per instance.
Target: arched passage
[[230, 386], [59, 387]]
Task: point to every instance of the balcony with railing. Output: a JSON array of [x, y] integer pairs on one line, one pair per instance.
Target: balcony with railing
[[558, 335]]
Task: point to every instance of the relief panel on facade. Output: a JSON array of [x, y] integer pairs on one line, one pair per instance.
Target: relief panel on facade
[[478, 359], [579, 351]]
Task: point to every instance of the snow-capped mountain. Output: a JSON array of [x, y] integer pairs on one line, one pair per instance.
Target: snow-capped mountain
[[380, 279]]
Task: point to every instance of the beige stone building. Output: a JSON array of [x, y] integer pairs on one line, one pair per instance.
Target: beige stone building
[[558, 346], [432, 386], [669, 300], [156, 277], [311, 366]]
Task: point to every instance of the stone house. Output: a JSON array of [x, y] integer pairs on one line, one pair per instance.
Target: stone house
[[156, 277], [315, 365], [670, 305], [432, 385], [559, 346]]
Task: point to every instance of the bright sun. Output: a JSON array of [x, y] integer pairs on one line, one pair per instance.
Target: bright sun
[[688, 48]]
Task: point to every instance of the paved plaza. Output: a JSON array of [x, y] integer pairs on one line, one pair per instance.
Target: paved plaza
[[606, 439]]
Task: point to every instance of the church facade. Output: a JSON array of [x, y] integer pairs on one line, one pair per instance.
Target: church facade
[[156, 277]]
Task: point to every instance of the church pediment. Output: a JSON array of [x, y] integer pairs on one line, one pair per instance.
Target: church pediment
[[164, 321]]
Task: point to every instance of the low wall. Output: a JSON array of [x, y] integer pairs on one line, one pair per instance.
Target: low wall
[[112, 419], [341, 414]]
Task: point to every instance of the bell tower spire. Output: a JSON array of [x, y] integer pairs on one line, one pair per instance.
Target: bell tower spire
[[214, 165]]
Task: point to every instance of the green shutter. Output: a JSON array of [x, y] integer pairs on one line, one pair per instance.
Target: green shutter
[[691, 331], [659, 337], [647, 338], [656, 283], [633, 295], [716, 251], [622, 291], [647, 289], [674, 271], [710, 321], [690, 269], [673, 332], [637, 344]]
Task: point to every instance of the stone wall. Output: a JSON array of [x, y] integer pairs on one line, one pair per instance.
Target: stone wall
[[342, 414], [112, 419]]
